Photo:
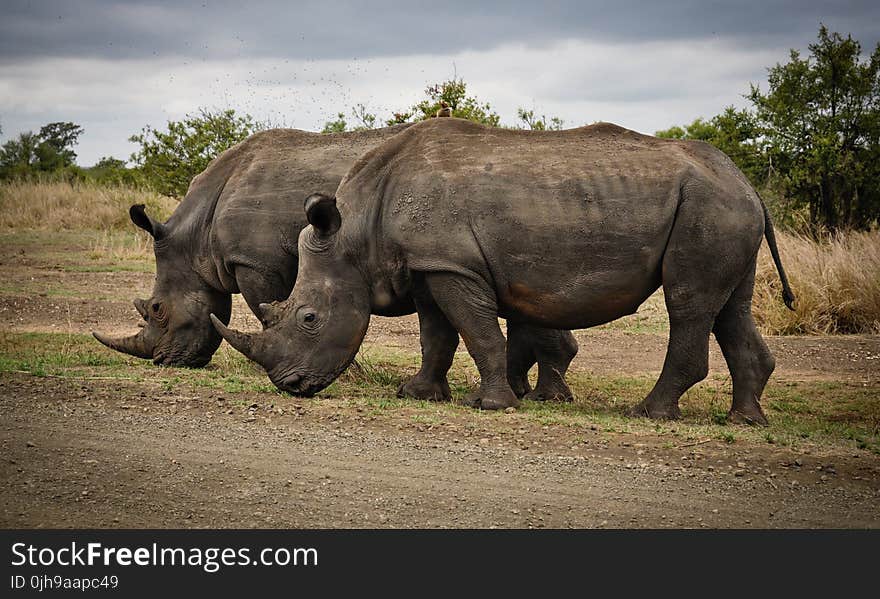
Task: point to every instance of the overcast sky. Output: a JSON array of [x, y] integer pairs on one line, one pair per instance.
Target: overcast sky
[[114, 66]]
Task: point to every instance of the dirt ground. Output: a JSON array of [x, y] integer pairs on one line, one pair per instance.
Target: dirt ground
[[93, 451]]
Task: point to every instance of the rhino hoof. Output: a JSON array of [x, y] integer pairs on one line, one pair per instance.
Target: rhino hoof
[[560, 395], [417, 388], [492, 400], [656, 412], [520, 386], [752, 417]]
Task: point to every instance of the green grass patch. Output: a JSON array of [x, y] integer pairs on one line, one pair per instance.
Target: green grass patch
[[841, 414]]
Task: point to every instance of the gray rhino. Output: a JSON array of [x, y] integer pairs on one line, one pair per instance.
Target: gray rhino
[[565, 229], [236, 232]]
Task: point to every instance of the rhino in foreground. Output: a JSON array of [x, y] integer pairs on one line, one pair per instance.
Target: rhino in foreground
[[236, 232], [566, 229]]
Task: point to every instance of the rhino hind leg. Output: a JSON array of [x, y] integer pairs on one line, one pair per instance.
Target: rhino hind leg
[[748, 357], [439, 340], [553, 350], [472, 309], [686, 364], [702, 267]]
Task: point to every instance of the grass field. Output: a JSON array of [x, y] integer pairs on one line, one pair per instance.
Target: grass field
[[802, 413]]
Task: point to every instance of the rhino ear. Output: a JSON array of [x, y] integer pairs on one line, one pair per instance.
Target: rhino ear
[[139, 217], [322, 214]]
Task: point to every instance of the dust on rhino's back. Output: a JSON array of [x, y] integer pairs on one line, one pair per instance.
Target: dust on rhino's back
[[261, 205], [535, 213]]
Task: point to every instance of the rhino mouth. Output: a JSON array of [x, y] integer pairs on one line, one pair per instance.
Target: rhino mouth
[[184, 359], [302, 386]]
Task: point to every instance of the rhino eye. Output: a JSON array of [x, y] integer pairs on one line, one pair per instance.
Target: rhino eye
[[156, 307], [309, 317]]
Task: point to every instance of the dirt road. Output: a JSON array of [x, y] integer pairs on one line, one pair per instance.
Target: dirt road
[[100, 455]]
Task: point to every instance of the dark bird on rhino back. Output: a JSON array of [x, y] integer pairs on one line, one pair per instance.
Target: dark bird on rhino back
[[562, 229], [236, 232]]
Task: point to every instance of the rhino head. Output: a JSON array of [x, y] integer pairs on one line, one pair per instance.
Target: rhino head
[[176, 328], [313, 335]]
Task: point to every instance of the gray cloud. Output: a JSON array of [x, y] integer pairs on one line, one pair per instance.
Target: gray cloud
[[210, 29], [114, 67]]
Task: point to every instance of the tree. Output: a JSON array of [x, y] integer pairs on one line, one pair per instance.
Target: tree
[[821, 119], [19, 156], [170, 159], [337, 126], [55, 150], [734, 132], [454, 94], [541, 123], [49, 151], [366, 119]]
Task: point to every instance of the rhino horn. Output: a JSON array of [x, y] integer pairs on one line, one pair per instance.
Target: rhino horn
[[243, 342], [135, 345]]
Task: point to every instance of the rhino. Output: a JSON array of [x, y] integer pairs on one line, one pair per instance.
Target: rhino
[[235, 232], [560, 229]]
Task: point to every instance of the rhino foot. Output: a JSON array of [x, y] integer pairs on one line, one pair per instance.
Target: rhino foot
[[656, 411], [752, 415], [520, 385], [491, 399], [550, 393], [427, 390]]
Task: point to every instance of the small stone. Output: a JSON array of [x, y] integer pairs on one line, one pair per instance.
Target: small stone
[[509, 410], [739, 473], [29, 444]]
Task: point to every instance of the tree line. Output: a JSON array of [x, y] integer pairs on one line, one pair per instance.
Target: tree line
[[810, 143]]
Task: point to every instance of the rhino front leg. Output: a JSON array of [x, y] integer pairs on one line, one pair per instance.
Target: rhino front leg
[[439, 340], [520, 358], [472, 309]]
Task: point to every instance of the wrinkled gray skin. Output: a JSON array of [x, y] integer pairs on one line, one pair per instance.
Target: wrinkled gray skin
[[566, 229], [235, 232]]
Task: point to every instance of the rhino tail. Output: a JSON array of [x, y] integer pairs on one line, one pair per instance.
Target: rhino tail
[[770, 234]]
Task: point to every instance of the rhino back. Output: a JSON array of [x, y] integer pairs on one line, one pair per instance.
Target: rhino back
[[534, 213], [259, 213]]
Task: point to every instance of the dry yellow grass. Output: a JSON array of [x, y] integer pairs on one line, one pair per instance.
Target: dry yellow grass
[[121, 246], [65, 206], [836, 281]]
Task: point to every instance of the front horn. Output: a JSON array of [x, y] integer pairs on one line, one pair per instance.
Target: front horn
[[135, 345], [243, 342]]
